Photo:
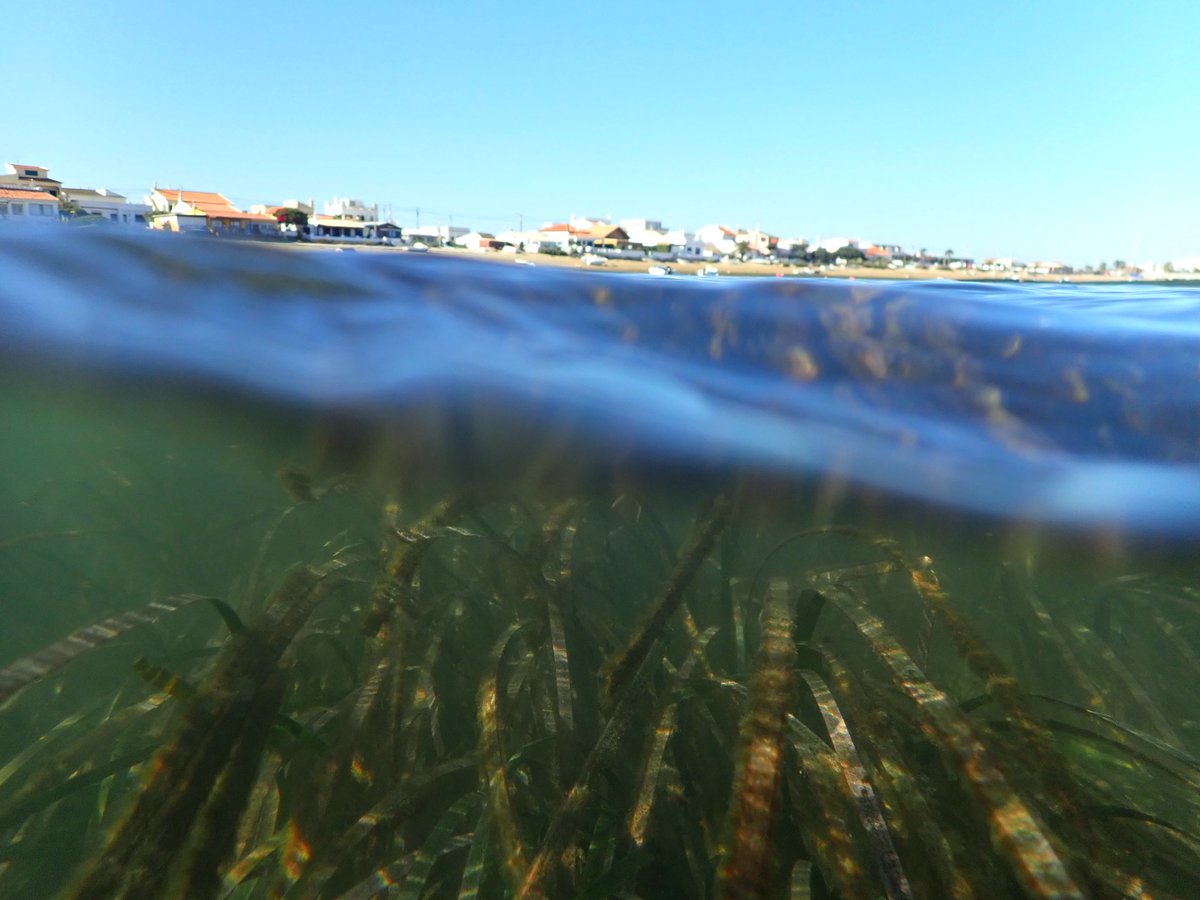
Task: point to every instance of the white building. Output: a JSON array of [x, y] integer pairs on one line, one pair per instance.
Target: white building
[[481, 240], [27, 205], [685, 245], [529, 241], [436, 234], [30, 176], [998, 264], [834, 244], [206, 211], [791, 246], [722, 240], [345, 208], [109, 205], [562, 235], [648, 233], [339, 230], [757, 242]]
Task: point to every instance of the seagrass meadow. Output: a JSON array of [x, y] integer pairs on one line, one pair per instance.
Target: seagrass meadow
[[335, 576], [246, 661]]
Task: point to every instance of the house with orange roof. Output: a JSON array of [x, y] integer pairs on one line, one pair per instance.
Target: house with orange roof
[[32, 176], [757, 242], [563, 235], [26, 204], [174, 209], [875, 253], [602, 236]]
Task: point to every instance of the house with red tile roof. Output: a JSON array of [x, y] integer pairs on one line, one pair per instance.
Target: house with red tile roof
[[22, 204], [563, 235], [33, 176], [175, 209]]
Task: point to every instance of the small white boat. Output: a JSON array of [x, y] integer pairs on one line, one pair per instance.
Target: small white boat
[[418, 247], [591, 259], [660, 270], [708, 272]]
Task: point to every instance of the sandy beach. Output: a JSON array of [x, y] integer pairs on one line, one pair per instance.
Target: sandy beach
[[759, 269]]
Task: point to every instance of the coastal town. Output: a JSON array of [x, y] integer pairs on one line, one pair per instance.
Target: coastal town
[[30, 196]]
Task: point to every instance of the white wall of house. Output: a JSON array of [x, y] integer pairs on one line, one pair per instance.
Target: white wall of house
[[646, 237], [345, 208], [631, 225], [834, 244], [27, 207], [305, 207], [647, 232], [564, 240], [756, 241], [791, 246], [583, 223], [476, 240], [685, 244], [337, 230], [181, 222], [111, 206], [530, 240], [332, 230], [428, 233], [722, 239]]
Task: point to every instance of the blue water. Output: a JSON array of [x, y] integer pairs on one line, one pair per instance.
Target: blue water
[[1060, 404]]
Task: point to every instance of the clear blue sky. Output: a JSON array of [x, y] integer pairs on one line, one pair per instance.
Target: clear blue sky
[[1052, 129]]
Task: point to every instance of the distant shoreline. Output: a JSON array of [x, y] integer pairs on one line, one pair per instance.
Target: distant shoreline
[[764, 270]]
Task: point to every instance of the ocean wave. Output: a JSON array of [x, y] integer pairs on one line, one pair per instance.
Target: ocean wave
[[1057, 403]]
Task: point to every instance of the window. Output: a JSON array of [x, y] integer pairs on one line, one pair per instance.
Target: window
[[18, 209], [32, 173]]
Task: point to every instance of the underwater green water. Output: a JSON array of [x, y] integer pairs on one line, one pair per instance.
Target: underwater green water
[[362, 575], [559, 682]]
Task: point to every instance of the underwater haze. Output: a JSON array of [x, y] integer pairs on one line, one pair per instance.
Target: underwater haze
[[376, 574]]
